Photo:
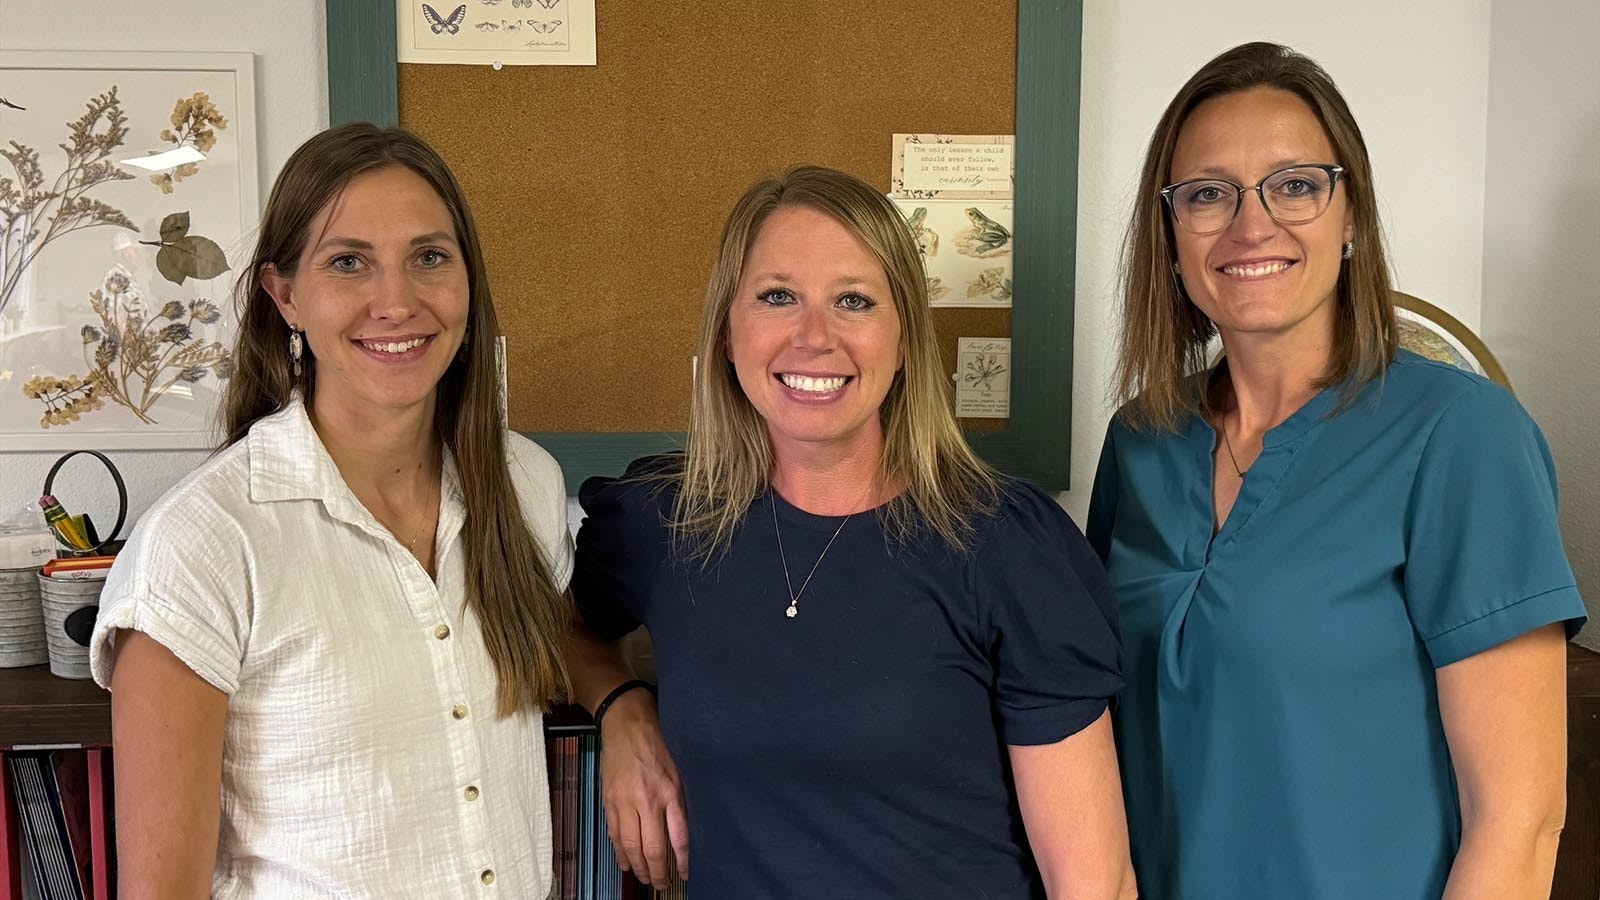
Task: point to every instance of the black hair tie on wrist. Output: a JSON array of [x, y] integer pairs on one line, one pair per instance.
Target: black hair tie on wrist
[[618, 691]]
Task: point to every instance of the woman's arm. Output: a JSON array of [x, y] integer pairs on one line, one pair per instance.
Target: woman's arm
[[1071, 799], [643, 796], [167, 727], [1504, 714]]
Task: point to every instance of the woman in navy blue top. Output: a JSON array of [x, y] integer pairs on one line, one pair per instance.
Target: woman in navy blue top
[[885, 670], [1342, 588]]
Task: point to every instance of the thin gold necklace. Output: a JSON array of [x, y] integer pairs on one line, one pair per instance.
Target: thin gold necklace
[[411, 545], [794, 596]]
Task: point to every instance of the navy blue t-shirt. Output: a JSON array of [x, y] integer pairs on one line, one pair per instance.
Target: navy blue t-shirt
[[857, 750]]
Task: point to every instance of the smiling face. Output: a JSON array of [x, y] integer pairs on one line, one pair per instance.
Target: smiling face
[[1257, 276], [381, 292], [814, 336]]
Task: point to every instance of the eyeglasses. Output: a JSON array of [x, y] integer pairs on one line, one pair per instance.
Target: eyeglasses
[[1292, 196]]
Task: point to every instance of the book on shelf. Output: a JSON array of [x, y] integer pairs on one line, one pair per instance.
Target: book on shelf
[[56, 835], [585, 861]]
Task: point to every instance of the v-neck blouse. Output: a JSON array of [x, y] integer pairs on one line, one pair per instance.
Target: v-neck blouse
[[1279, 732]]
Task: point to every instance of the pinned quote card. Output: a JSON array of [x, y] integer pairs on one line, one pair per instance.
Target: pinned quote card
[[953, 167], [496, 32], [983, 378]]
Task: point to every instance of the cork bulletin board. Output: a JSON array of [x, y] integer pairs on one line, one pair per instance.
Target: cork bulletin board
[[600, 191]]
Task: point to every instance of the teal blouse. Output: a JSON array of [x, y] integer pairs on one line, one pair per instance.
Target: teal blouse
[[1279, 733]]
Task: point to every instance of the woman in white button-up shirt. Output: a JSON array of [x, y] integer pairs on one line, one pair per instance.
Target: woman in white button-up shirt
[[330, 645]]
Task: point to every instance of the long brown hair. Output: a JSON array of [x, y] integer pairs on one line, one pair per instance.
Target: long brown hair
[[1164, 336], [524, 616], [729, 458]]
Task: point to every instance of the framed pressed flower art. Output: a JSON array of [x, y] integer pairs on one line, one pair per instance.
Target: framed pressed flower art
[[128, 197]]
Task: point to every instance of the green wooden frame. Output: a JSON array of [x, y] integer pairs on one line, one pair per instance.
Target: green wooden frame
[[1036, 444]]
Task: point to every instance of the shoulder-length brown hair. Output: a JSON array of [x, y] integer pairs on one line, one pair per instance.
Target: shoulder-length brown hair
[[728, 460], [1164, 336], [524, 616]]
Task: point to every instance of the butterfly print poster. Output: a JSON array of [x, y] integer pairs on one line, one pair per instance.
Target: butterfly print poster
[[490, 32]]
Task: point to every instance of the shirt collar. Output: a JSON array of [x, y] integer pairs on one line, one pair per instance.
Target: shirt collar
[[289, 462], [1297, 425]]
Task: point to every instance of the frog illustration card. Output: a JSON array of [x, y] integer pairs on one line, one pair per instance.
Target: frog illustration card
[[983, 378], [953, 166], [966, 249]]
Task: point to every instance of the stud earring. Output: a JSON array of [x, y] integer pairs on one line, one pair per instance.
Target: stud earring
[[1349, 249], [297, 348], [1176, 270]]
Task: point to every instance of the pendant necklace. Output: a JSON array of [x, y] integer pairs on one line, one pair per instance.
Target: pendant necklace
[[411, 545], [794, 595], [1228, 445]]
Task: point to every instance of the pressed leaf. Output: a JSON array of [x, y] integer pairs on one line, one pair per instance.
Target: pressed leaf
[[168, 263], [191, 257], [175, 226]]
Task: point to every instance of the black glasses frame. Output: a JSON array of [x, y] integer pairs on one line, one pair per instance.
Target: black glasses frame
[[1334, 171]]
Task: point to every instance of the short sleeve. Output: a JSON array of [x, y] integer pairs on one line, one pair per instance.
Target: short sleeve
[[542, 492], [1051, 622], [621, 547], [1103, 498], [183, 580], [1484, 560]]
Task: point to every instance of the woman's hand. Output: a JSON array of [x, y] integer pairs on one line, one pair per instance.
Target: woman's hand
[[643, 796]]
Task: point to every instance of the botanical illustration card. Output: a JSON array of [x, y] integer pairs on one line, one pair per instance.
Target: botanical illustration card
[[983, 378], [128, 200], [953, 166], [966, 249], [497, 32]]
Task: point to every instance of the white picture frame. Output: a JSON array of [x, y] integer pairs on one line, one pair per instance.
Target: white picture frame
[[48, 312]]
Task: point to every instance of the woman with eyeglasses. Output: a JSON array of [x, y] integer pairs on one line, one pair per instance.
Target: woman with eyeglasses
[[1343, 593]]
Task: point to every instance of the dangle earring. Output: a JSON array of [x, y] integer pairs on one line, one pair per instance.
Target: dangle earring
[[1349, 249], [297, 348]]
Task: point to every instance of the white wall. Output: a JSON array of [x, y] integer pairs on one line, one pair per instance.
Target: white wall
[[1415, 75], [288, 39], [1541, 247]]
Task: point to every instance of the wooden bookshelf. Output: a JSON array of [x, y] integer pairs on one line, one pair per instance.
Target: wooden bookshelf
[[1578, 865], [37, 708]]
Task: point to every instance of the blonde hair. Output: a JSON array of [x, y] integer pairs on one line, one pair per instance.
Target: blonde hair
[[524, 616], [1164, 336], [728, 460]]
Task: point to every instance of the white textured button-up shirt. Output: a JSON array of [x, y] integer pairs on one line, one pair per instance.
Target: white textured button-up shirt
[[363, 756]]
